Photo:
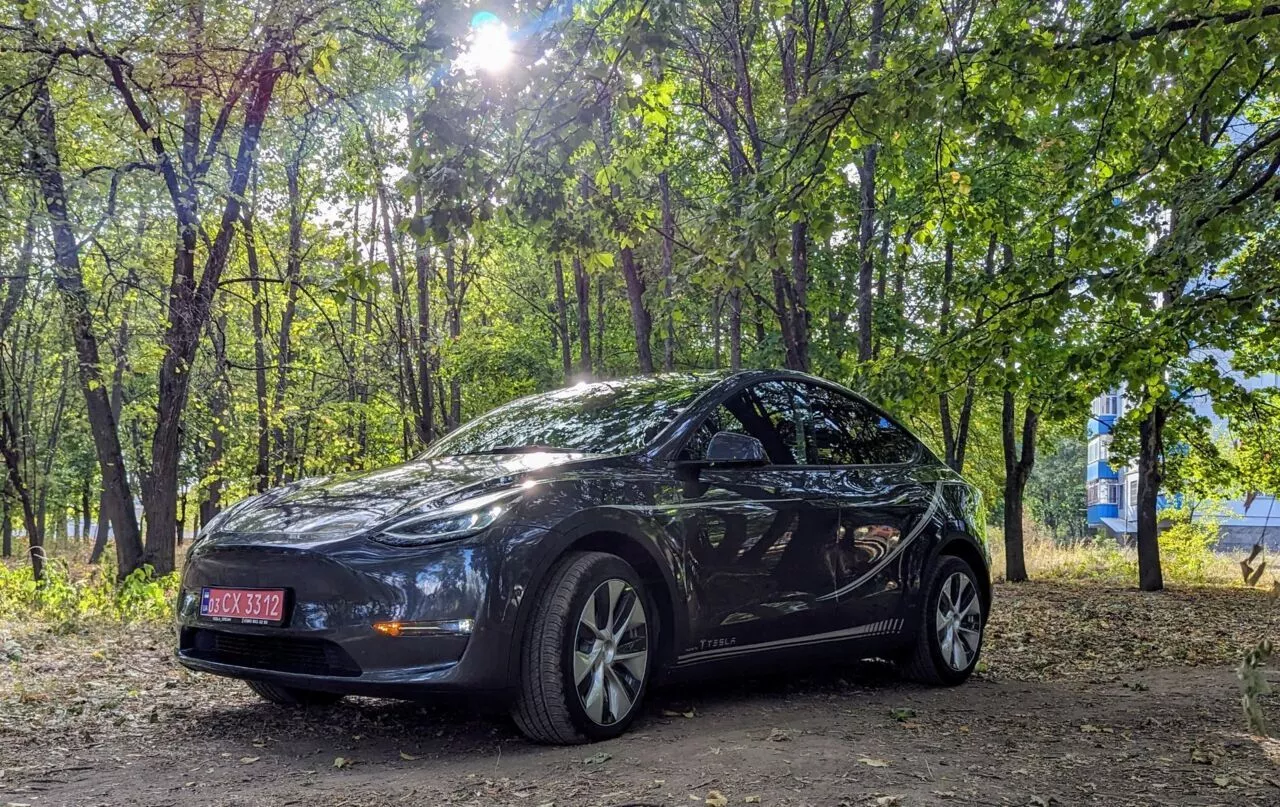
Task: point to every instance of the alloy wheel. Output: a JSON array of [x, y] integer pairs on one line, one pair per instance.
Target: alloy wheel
[[959, 621], [611, 652]]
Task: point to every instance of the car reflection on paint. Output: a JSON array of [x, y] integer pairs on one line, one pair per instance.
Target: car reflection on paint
[[568, 550]]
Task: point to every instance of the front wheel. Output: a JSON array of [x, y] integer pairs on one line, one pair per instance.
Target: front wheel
[[949, 638], [292, 696], [586, 657]]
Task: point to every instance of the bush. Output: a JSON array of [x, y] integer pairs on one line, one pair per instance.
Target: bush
[[1186, 547], [66, 597]]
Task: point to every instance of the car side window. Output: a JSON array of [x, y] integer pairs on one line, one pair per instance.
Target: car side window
[[845, 431], [768, 411]]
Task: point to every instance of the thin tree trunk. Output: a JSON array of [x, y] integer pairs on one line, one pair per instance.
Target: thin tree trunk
[[6, 525], [69, 280], [641, 322], [1017, 469], [1150, 477], [735, 329], [668, 262], [717, 301], [403, 348], [867, 195], [453, 283], [562, 321], [425, 424], [426, 419], [798, 294], [600, 324], [189, 309], [262, 464], [284, 346], [219, 398], [582, 289]]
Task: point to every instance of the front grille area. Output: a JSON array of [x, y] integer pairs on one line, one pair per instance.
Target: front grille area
[[278, 653]]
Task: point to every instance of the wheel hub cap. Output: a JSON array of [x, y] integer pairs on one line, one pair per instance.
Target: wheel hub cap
[[611, 652], [959, 621]]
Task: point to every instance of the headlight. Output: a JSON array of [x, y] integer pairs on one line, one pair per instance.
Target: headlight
[[458, 520]]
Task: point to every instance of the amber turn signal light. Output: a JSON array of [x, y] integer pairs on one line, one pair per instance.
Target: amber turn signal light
[[446, 627]]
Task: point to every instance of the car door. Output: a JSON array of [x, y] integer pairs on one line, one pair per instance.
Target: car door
[[755, 545], [863, 470]]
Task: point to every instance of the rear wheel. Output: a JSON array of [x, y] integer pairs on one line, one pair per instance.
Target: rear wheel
[[949, 636], [586, 657], [292, 696]]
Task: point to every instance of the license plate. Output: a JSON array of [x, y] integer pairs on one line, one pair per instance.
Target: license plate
[[258, 606]]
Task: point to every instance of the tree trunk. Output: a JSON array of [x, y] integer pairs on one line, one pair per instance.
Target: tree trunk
[[219, 399], [641, 322], [668, 262], [866, 232], [798, 293], [13, 463], [426, 419], [562, 322], [582, 289], [1017, 469], [284, 345], [86, 512], [404, 350], [717, 300], [69, 280], [735, 329], [262, 464], [600, 369], [867, 195], [6, 525], [189, 308], [1150, 477]]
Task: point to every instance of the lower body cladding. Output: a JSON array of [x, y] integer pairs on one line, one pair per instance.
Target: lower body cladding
[[357, 618]]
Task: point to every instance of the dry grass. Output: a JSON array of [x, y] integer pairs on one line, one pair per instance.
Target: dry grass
[[1104, 561]]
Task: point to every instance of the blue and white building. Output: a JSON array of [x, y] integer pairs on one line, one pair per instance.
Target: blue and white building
[[1112, 493]]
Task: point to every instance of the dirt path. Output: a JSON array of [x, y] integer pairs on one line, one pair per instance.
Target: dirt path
[[1171, 736], [119, 724]]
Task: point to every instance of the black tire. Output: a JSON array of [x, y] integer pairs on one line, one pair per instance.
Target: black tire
[[925, 661], [548, 707], [292, 696]]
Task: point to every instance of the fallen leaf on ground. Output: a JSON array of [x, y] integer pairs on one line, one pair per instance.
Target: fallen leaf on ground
[[407, 757], [874, 763], [341, 762], [248, 760], [598, 758], [716, 799]]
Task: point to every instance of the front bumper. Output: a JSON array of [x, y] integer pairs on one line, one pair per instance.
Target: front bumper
[[336, 589]]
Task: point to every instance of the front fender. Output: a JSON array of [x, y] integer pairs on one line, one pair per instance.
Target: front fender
[[622, 530]]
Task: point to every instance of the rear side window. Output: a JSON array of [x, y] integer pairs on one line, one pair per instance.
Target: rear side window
[[845, 431]]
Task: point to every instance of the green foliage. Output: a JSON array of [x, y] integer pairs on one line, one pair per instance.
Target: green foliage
[[65, 598], [1042, 179], [1056, 490], [1186, 546]]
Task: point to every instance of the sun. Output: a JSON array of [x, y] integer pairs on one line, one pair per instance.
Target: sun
[[489, 48]]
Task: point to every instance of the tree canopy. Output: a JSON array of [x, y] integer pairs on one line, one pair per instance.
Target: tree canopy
[[251, 242]]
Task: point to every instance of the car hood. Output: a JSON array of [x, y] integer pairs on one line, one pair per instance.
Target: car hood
[[353, 502]]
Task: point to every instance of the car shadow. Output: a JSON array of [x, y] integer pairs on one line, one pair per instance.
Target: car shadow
[[438, 728]]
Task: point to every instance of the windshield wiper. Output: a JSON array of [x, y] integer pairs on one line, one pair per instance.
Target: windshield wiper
[[533, 448]]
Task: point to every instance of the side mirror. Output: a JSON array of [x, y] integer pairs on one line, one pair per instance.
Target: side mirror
[[728, 448]]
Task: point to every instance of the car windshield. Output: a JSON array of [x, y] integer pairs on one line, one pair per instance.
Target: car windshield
[[607, 417]]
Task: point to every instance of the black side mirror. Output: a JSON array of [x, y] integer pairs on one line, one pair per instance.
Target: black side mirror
[[728, 448]]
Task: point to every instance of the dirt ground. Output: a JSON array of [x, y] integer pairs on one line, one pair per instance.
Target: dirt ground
[[1088, 695]]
